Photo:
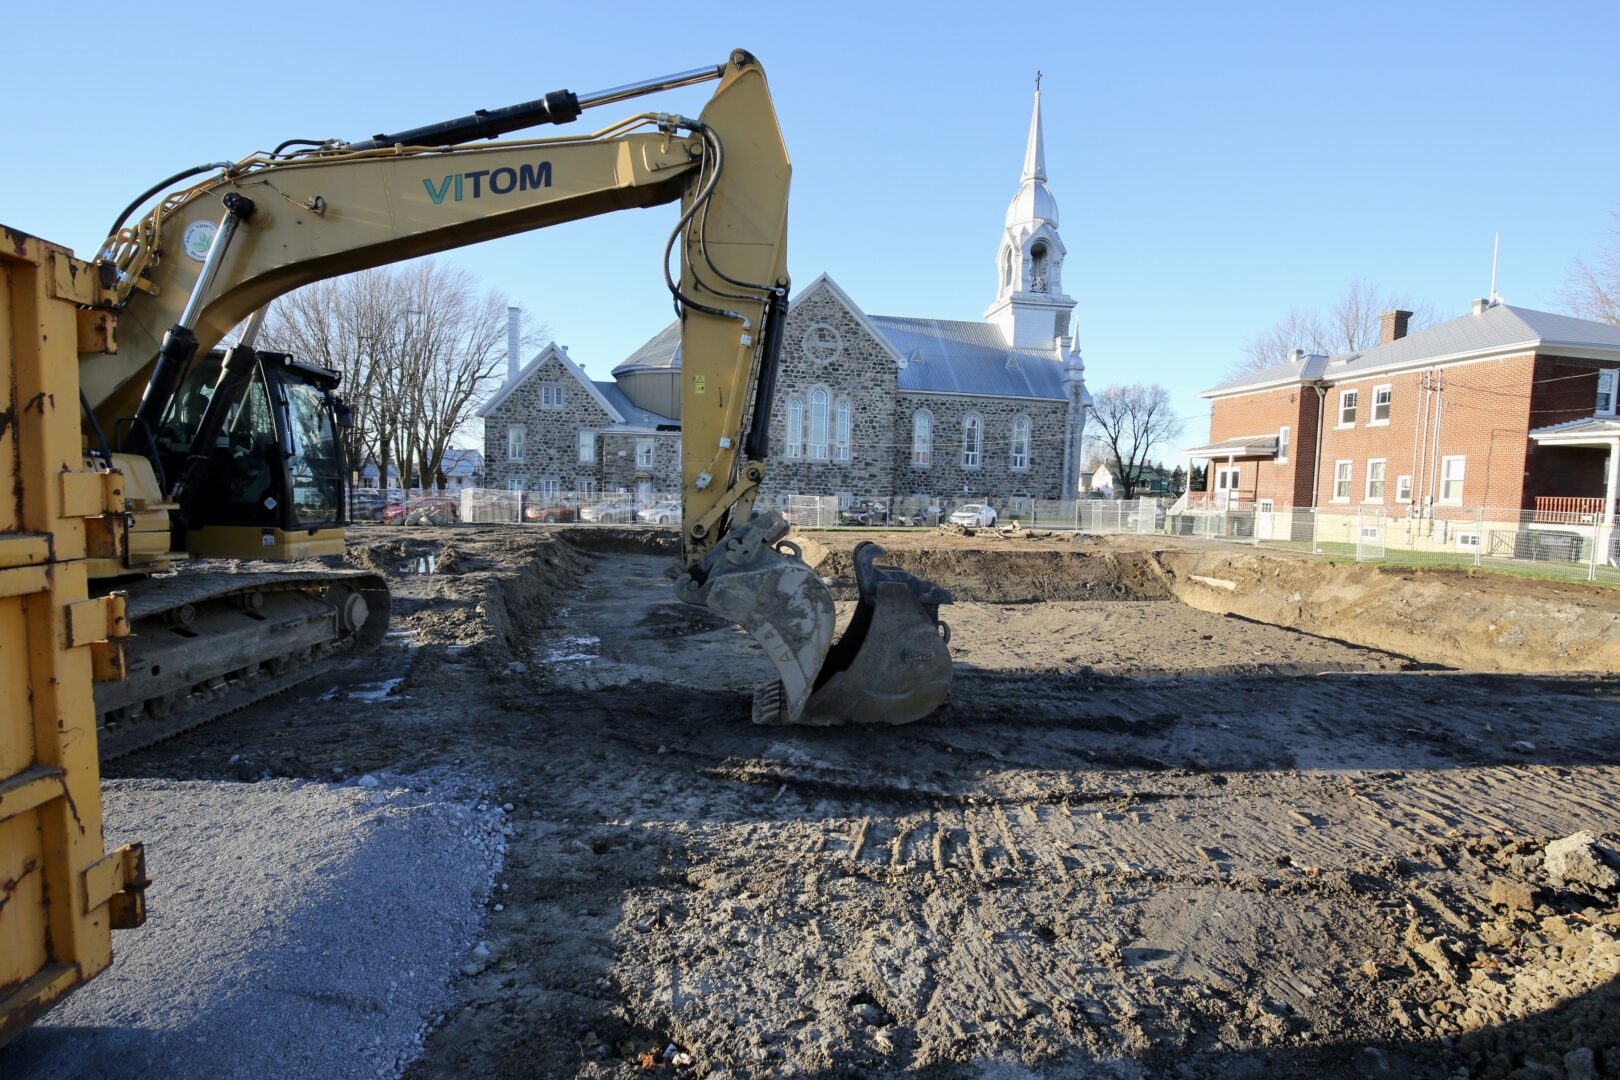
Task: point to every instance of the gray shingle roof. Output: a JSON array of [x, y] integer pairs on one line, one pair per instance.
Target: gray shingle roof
[[1606, 427], [1495, 328], [661, 352], [635, 418], [949, 357]]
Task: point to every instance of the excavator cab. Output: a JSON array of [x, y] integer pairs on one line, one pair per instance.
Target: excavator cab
[[271, 485]]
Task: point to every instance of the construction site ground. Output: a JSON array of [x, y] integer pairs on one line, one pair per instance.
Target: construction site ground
[[1188, 811]]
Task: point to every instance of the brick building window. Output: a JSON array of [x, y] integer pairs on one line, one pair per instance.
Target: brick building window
[[1341, 481], [1375, 480], [515, 434], [972, 440], [1606, 391], [644, 453], [1452, 470], [1403, 488], [843, 415], [795, 428], [1020, 443], [1282, 445], [587, 447], [818, 425], [1347, 407], [1380, 408], [922, 438]]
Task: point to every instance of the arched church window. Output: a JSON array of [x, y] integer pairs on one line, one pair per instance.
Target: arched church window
[[972, 440], [842, 418], [818, 425], [795, 428], [922, 437], [1037, 268], [1020, 443]]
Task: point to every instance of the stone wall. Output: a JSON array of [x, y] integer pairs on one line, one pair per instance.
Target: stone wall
[[619, 471], [826, 348], [947, 480], [551, 437]]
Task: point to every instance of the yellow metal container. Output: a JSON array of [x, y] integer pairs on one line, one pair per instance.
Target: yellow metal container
[[61, 893]]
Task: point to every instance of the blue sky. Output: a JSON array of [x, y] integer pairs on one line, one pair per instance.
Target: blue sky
[[1214, 164]]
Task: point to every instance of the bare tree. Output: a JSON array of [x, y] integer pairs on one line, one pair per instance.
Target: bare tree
[[1131, 422], [1592, 290], [418, 347], [1350, 325]]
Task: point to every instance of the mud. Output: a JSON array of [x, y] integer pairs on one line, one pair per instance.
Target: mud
[[1140, 839]]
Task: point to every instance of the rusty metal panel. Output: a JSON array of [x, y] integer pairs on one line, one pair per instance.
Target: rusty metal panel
[[61, 894]]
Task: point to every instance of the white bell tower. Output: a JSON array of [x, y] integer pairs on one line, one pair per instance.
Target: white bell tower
[[1031, 308]]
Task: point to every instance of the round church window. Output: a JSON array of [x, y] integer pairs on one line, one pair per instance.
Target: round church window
[[822, 343]]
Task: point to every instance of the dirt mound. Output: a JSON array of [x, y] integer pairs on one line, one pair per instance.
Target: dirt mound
[[1484, 621], [1014, 575]]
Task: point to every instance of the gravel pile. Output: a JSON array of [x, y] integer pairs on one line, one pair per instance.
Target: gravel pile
[[295, 929]]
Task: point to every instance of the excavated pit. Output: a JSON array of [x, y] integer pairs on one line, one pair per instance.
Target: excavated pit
[[1174, 819]]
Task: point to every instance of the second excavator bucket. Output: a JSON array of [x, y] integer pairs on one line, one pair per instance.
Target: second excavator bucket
[[892, 665]]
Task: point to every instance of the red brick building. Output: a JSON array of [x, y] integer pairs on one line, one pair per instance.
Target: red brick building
[[1504, 408]]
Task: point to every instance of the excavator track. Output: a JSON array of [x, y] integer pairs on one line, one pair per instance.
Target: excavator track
[[205, 644]]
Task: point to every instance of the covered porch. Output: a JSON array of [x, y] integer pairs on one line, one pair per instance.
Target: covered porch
[[1588, 466], [1224, 486]]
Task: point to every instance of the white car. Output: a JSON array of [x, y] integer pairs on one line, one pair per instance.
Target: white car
[[667, 512], [974, 516]]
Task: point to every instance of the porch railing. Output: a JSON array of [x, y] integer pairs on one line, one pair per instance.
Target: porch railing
[[1568, 510]]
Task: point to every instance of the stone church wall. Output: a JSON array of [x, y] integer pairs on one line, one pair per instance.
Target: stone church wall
[[947, 480]]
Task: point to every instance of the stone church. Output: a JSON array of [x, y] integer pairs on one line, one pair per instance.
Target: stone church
[[867, 406]]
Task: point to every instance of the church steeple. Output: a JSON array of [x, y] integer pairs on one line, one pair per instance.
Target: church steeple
[[1030, 306]]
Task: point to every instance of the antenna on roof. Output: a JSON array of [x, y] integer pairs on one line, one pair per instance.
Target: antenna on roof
[[1496, 250]]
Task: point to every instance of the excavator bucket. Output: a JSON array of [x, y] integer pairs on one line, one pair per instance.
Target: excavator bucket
[[892, 665]]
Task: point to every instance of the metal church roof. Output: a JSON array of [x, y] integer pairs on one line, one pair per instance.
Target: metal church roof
[[944, 356], [661, 352]]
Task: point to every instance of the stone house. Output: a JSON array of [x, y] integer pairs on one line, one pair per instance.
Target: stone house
[[867, 406]]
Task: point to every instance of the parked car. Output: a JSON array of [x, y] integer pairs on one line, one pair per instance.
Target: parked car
[[974, 515], [423, 510], [365, 504], [865, 512], [667, 512], [927, 515], [556, 512], [615, 511]]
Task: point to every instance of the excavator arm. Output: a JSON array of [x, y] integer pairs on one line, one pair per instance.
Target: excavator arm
[[212, 254]]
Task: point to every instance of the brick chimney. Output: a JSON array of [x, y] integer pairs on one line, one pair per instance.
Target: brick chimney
[[1392, 326]]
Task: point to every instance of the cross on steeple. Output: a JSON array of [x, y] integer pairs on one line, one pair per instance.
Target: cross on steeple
[[1037, 80]]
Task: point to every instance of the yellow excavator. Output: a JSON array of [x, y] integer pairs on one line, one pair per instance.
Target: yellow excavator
[[237, 454], [184, 451]]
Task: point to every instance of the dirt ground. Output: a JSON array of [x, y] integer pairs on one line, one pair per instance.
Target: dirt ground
[[1140, 839]]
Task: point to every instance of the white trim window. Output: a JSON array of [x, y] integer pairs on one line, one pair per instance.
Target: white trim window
[[843, 421], [644, 453], [1341, 481], [922, 438], [547, 488], [1607, 391], [1375, 480], [1348, 399], [585, 486], [587, 447], [972, 440], [818, 425], [551, 396], [795, 428], [1403, 488], [1020, 443], [516, 435], [1382, 396], [1452, 471], [1283, 434], [1468, 541]]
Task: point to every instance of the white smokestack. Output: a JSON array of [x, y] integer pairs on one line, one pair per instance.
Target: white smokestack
[[514, 343]]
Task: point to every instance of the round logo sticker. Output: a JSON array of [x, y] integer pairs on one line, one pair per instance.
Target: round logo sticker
[[198, 238]]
